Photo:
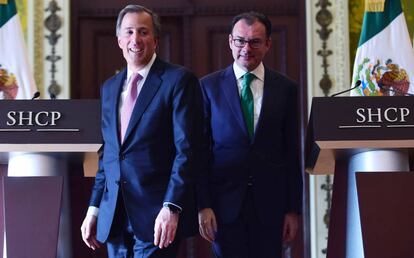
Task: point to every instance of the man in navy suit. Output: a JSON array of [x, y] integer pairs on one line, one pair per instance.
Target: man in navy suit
[[249, 197], [143, 199]]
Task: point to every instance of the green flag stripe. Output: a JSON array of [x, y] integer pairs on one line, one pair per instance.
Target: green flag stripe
[[7, 11], [375, 22]]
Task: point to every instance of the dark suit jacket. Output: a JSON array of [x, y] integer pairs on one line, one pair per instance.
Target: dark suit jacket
[[155, 163], [270, 159]]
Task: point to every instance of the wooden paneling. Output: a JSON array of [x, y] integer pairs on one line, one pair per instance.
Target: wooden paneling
[[99, 56], [211, 45], [171, 41], [194, 35]]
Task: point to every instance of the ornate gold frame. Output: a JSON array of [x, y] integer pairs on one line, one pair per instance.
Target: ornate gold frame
[[38, 45], [38, 35]]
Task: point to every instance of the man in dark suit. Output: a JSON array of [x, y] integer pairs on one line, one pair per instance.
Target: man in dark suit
[[143, 199], [250, 195]]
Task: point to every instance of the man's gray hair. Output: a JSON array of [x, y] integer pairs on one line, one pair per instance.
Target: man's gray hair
[[134, 8]]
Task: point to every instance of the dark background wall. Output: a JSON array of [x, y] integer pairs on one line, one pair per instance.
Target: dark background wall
[[194, 34]]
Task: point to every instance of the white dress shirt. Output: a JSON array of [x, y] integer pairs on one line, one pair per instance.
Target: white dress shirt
[[256, 87], [144, 73]]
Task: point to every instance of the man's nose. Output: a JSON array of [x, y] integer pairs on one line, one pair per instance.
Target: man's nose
[[247, 46], [136, 37]]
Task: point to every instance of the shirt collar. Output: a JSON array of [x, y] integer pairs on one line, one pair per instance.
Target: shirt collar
[[144, 71], [258, 71]]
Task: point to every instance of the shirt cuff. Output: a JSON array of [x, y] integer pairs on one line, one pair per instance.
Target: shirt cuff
[[92, 210], [175, 205]]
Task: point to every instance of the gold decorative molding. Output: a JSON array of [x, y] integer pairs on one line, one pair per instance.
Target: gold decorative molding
[[38, 68], [53, 23], [324, 18], [374, 5], [340, 58]]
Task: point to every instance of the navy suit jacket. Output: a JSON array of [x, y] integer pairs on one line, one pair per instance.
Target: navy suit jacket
[[155, 163], [269, 160]]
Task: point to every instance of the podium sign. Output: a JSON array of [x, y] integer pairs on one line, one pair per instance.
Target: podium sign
[[32, 205], [352, 124], [348, 135], [50, 125]]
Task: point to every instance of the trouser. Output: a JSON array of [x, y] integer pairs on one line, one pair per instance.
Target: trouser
[[122, 242]]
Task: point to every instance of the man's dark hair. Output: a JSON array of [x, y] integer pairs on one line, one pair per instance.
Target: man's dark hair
[[134, 8], [250, 18]]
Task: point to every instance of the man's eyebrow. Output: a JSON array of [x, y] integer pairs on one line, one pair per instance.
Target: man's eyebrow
[[240, 37], [135, 28]]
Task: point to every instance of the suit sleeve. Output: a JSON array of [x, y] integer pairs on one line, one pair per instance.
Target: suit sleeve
[[100, 180], [99, 185], [203, 188], [291, 143], [186, 97]]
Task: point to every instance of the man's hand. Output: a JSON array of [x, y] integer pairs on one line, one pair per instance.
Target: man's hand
[[165, 227], [88, 230], [290, 227], [207, 224]]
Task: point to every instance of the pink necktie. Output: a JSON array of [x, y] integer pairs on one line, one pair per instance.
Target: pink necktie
[[129, 102]]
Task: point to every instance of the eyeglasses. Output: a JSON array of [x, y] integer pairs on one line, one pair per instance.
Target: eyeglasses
[[253, 43]]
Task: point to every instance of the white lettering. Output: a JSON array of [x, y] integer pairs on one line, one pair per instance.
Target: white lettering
[[12, 120], [37, 118], [360, 112], [28, 118], [371, 114], [404, 113], [387, 117], [55, 116]]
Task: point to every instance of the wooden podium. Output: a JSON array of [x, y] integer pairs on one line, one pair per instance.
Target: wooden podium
[[347, 135], [30, 206]]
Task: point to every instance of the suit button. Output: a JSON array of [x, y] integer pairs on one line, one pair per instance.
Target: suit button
[[250, 181], [121, 156], [117, 182]]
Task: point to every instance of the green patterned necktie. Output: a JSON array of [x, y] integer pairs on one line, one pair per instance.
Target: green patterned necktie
[[247, 102]]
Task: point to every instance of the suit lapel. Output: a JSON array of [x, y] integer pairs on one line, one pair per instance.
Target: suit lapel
[[148, 91], [269, 98], [229, 87], [115, 93]]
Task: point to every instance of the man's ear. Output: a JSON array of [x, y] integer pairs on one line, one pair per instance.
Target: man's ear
[[119, 42], [156, 40], [269, 42]]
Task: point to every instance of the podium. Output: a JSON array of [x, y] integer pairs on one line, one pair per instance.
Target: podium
[[363, 141], [31, 206]]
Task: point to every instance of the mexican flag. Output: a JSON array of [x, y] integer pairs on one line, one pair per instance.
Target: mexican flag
[[16, 78], [384, 61]]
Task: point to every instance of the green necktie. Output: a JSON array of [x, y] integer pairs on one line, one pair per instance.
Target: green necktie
[[247, 102]]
